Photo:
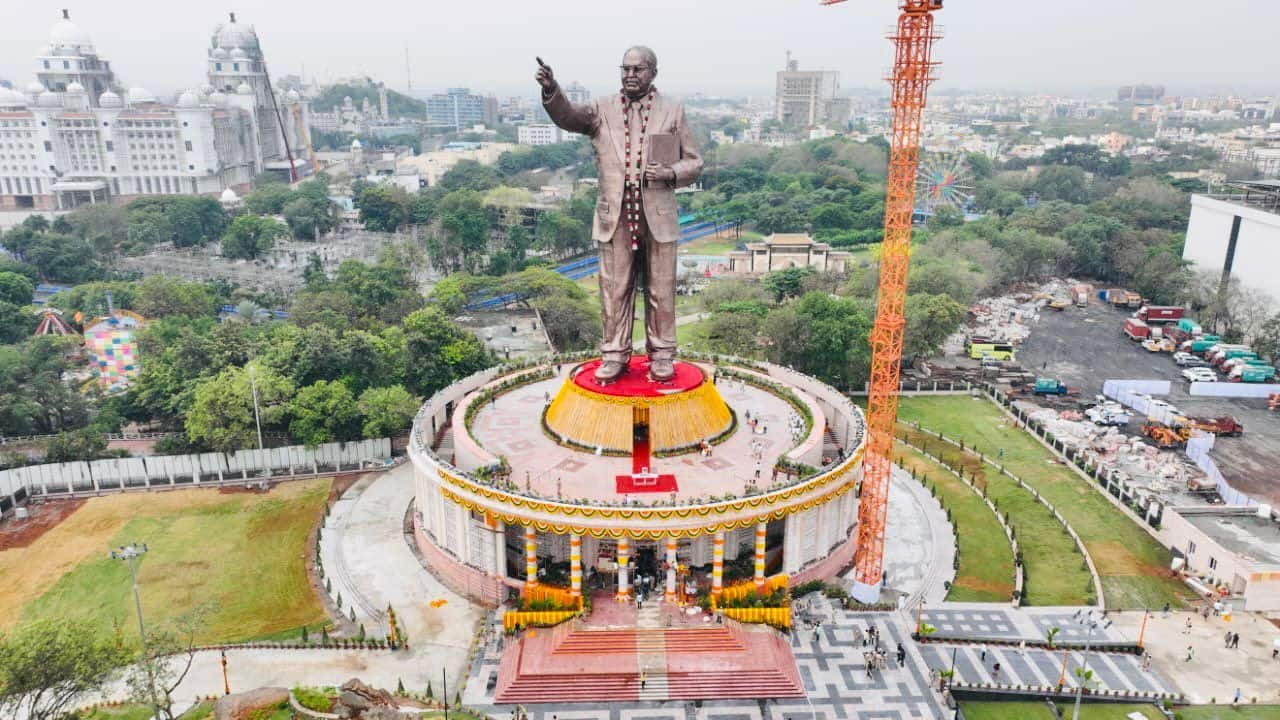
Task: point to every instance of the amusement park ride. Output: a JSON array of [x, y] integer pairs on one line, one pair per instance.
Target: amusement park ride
[[912, 72]]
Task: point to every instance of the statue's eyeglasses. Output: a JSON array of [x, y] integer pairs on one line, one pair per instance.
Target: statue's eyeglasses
[[633, 69]]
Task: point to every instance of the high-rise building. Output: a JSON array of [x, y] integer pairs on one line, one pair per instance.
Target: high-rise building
[[805, 98], [76, 136], [460, 108]]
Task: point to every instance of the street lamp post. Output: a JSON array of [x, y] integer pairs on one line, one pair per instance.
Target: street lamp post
[[1091, 623], [130, 554], [257, 421]]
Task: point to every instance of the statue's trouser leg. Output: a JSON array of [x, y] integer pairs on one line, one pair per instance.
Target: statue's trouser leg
[[660, 297], [617, 295]]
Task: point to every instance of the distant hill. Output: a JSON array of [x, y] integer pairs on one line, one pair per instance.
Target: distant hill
[[398, 105]]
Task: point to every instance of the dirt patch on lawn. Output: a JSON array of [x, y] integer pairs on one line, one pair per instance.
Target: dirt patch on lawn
[[997, 588], [43, 517], [1114, 559]]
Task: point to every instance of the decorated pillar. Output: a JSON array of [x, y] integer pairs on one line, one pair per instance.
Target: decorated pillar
[[624, 558], [530, 557], [760, 533], [717, 563], [575, 564], [671, 569]]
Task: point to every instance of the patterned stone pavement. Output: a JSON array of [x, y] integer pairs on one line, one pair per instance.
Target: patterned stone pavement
[[1040, 667], [830, 659], [986, 622]]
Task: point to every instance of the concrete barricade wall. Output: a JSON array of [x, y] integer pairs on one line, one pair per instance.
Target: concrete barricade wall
[[116, 474]]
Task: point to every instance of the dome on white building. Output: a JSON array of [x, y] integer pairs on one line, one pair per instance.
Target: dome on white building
[[218, 99], [229, 197], [75, 87], [49, 99], [188, 99], [292, 97], [218, 54], [67, 34], [34, 88], [244, 89], [139, 96], [235, 35], [109, 99], [355, 143], [12, 98], [239, 54]]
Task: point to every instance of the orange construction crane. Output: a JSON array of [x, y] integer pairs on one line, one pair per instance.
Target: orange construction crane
[[912, 72], [306, 135]]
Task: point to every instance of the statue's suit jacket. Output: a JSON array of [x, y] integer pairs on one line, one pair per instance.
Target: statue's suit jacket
[[602, 121]]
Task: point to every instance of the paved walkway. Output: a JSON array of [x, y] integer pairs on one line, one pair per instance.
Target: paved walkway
[[996, 622], [1216, 671], [1037, 667], [921, 556]]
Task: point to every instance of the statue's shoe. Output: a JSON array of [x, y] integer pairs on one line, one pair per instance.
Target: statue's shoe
[[609, 371], [662, 369]]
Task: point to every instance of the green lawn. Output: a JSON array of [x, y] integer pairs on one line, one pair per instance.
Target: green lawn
[[1226, 712], [123, 712], [241, 553], [1134, 568], [1054, 573], [1040, 711], [986, 558], [711, 245]]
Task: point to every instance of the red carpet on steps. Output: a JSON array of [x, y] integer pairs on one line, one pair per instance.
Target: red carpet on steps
[[640, 463], [703, 663]]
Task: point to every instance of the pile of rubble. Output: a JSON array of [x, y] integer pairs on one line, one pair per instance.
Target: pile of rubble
[[1008, 318], [1157, 471]]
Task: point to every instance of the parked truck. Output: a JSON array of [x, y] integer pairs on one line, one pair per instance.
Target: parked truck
[[1190, 327], [1136, 329], [1113, 296], [1160, 313], [1250, 359], [1201, 344], [1221, 356], [1225, 425], [1080, 294], [1049, 386], [1132, 299], [1252, 373]]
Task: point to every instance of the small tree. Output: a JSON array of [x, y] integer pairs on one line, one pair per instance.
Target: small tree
[[1052, 633], [304, 635], [47, 665], [171, 649]]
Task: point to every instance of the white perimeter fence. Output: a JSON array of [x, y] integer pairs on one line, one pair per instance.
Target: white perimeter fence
[[60, 479]]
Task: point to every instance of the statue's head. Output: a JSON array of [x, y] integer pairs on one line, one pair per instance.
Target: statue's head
[[639, 68]]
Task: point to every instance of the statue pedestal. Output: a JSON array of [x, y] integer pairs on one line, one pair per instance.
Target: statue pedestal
[[673, 416]]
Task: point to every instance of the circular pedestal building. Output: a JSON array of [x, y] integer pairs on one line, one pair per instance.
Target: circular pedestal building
[[541, 475]]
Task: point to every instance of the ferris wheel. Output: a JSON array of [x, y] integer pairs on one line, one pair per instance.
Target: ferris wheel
[[944, 179]]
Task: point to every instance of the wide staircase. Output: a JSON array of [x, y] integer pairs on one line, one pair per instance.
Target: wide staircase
[[573, 664]]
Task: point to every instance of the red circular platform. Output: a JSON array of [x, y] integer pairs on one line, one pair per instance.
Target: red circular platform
[[635, 381]]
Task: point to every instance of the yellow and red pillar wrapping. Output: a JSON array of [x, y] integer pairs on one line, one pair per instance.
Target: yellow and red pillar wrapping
[[671, 569], [575, 564], [717, 562], [530, 556], [760, 533], [624, 559]]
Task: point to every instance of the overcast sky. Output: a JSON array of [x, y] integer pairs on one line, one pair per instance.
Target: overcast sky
[[713, 46]]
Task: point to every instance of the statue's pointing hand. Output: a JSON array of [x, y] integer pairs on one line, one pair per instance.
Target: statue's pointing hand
[[545, 77]]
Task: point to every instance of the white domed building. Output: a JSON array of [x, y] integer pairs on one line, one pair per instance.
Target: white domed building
[[70, 58], [81, 136]]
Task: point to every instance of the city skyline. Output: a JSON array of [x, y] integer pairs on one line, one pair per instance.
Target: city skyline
[[1175, 47]]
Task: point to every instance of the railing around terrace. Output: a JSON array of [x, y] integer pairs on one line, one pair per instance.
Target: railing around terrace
[[420, 440]]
